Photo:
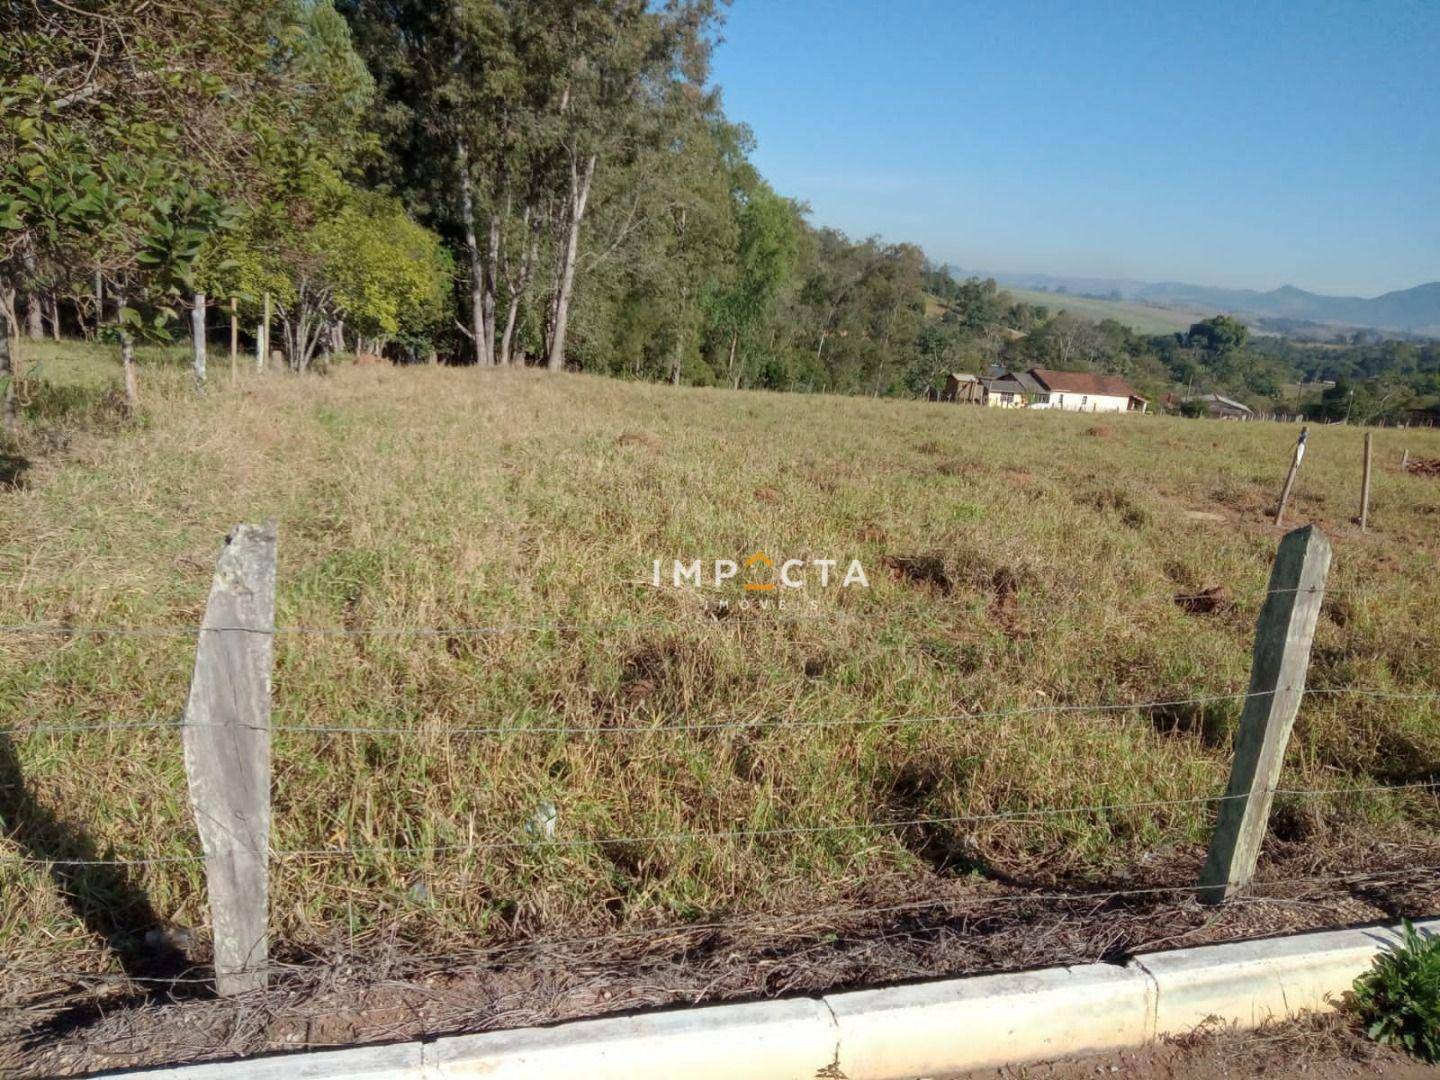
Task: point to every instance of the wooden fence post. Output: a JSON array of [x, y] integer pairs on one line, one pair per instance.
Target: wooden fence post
[[226, 737], [1279, 660], [234, 339], [1365, 484], [1290, 476]]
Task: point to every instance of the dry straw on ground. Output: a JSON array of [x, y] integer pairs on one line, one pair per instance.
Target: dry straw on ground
[[528, 506]]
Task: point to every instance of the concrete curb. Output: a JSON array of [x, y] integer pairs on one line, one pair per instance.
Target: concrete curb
[[890, 1034]]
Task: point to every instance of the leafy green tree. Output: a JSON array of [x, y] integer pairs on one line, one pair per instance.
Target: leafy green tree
[[765, 259], [1219, 336], [132, 129]]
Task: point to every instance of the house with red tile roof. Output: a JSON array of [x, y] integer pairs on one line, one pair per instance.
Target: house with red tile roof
[[1083, 391]]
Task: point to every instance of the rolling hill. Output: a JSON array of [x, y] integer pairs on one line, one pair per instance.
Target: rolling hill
[[1415, 310], [1142, 317]]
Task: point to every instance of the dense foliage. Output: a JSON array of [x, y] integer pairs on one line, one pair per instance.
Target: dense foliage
[[551, 182]]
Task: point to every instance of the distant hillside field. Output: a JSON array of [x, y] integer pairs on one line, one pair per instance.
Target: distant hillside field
[[1140, 317]]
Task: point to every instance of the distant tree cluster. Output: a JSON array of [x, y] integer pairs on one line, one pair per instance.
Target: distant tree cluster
[[552, 182]]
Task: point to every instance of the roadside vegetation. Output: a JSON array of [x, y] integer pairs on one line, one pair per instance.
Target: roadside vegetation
[[489, 195], [479, 545], [1399, 998]]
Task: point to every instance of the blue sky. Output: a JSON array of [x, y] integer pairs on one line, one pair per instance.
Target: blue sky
[[1249, 144]]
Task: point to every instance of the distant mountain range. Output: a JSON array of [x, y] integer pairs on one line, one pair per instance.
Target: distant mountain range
[[1414, 311]]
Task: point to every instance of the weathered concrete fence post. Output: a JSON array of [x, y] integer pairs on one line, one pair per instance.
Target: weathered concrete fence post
[[1277, 683], [226, 737]]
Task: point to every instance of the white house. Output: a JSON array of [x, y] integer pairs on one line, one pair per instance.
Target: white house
[[1084, 391]]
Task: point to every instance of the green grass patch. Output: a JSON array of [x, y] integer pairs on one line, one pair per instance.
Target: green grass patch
[[1014, 562]]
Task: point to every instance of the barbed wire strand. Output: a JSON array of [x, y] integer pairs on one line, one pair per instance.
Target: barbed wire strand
[[179, 723], [541, 626], [714, 926], [534, 843]]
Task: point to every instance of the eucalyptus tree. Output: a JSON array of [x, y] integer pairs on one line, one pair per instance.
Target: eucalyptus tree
[[765, 258]]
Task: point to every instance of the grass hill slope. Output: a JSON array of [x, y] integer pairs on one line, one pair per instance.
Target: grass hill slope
[[1141, 317], [479, 544]]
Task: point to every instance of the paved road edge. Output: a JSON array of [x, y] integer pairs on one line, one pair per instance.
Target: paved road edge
[[888, 1034]]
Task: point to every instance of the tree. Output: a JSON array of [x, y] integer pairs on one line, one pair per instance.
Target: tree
[[133, 127], [1219, 336], [765, 258]]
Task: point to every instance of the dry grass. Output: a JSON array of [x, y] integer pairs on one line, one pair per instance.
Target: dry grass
[[437, 497]]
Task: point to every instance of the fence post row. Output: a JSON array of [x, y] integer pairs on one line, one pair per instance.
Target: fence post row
[[226, 738], [1277, 683]]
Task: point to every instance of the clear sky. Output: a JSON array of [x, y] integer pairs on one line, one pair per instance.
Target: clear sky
[[1246, 144]]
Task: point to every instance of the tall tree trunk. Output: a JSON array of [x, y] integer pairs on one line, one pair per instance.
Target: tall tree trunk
[[575, 212], [99, 288], [127, 365], [34, 319], [517, 284], [54, 317], [8, 310], [197, 339], [34, 322], [492, 278], [9, 406], [472, 247], [734, 371], [679, 341]]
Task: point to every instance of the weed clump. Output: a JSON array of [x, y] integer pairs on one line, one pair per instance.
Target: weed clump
[[1399, 998]]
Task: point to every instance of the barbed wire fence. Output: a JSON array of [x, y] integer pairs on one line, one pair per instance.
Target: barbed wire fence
[[226, 731]]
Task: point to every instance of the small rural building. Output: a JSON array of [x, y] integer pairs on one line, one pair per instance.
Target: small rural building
[[962, 387], [1013, 390], [1084, 391], [1219, 406]]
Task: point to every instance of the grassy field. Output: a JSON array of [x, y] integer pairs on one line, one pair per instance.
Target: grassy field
[[1016, 560], [1140, 317]]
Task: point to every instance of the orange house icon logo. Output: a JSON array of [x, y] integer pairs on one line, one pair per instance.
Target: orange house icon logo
[[749, 565]]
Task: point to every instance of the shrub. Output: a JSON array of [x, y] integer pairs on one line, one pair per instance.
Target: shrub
[[1399, 998]]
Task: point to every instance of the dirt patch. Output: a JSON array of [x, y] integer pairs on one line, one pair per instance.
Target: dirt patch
[[1209, 601], [1323, 1046], [1100, 431], [1132, 514], [887, 932], [1004, 606], [924, 570], [870, 533], [1423, 466], [13, 468], [638, 438]]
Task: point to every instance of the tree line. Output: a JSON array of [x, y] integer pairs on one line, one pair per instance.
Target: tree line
[[498, 182]]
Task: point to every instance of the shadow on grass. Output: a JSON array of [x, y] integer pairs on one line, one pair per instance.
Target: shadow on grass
[[13, 468], [104, 898]]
